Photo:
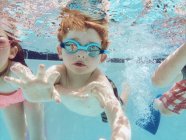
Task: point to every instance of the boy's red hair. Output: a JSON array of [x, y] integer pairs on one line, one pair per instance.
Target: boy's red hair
[[75, 20]]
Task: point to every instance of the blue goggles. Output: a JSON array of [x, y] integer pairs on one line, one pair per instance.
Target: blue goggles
[[72, 46]]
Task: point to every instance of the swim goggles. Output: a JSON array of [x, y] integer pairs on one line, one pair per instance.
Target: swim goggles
[[72, 46]]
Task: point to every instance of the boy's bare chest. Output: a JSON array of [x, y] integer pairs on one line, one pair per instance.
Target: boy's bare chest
[[88, 106]]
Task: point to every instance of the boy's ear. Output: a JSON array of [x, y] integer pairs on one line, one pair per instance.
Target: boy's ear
[[13, 52], [59, 52], [103, 57]]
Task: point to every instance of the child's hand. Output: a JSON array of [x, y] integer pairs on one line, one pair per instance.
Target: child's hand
[[69, 92], [35, 88], [159, 106], [92, 87], [96, 89]]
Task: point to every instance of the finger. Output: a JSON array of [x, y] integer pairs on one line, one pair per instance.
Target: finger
[[56, 96], [21, 71], [13, 80], [86, 88], [79, 95], [53, 77], [157, 104], [41, 71], [84, 96], [58, 87], [95, 84]]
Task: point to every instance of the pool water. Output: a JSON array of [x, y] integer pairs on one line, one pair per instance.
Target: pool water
[[62, 124], [138, 42]]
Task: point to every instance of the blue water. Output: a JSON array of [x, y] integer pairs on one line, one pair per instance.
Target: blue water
[[155, 35], [62, 124]]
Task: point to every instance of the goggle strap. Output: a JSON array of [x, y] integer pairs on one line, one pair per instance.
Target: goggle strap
[[104, 51], [62, 45]]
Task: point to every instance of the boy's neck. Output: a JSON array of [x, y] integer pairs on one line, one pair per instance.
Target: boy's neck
[[76, 80]]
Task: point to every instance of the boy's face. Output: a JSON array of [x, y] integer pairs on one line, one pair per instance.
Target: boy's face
[[81, 62]]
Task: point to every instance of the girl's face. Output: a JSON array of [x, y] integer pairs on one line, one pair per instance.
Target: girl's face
[[80, 62], [4, 49]]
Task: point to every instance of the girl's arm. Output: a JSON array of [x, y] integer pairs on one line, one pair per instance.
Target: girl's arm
[[34, 113], [170, 68]]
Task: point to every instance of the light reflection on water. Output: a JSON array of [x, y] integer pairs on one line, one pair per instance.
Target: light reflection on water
[[135, 32]]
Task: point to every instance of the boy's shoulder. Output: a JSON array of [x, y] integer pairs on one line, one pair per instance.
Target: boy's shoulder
[[98, 75]]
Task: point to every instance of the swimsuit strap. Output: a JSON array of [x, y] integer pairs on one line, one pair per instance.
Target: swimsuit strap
[[184, 72], [103, 114], [9, 94], [115, 90]]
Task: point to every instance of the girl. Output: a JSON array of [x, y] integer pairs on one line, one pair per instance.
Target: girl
[[15, 109]]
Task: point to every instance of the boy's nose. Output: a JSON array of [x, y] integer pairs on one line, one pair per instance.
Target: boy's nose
[[81, 54]]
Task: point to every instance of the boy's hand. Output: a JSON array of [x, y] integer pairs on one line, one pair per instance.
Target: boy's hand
[[92, 86], [69, 92], [98, 90], [35, 88]]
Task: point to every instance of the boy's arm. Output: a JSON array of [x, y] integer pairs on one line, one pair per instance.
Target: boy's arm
[[169, 69], [39, 88], [119, 123]]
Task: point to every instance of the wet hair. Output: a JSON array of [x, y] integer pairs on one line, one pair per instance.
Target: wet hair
[[76, 20], [20, 54]]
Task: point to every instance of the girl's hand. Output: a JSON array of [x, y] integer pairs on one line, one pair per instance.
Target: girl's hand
[[35, 88]]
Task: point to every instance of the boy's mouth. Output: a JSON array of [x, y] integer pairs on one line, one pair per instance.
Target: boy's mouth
[[79, 64]]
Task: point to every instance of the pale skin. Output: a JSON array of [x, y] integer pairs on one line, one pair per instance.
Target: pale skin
[[14, 115], [169, 71], [78, 84]]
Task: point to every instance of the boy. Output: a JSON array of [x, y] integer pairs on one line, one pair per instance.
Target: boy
[[82, 87]]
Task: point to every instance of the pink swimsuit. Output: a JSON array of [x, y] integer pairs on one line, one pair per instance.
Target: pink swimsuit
[[12, 98], [175, 99]]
